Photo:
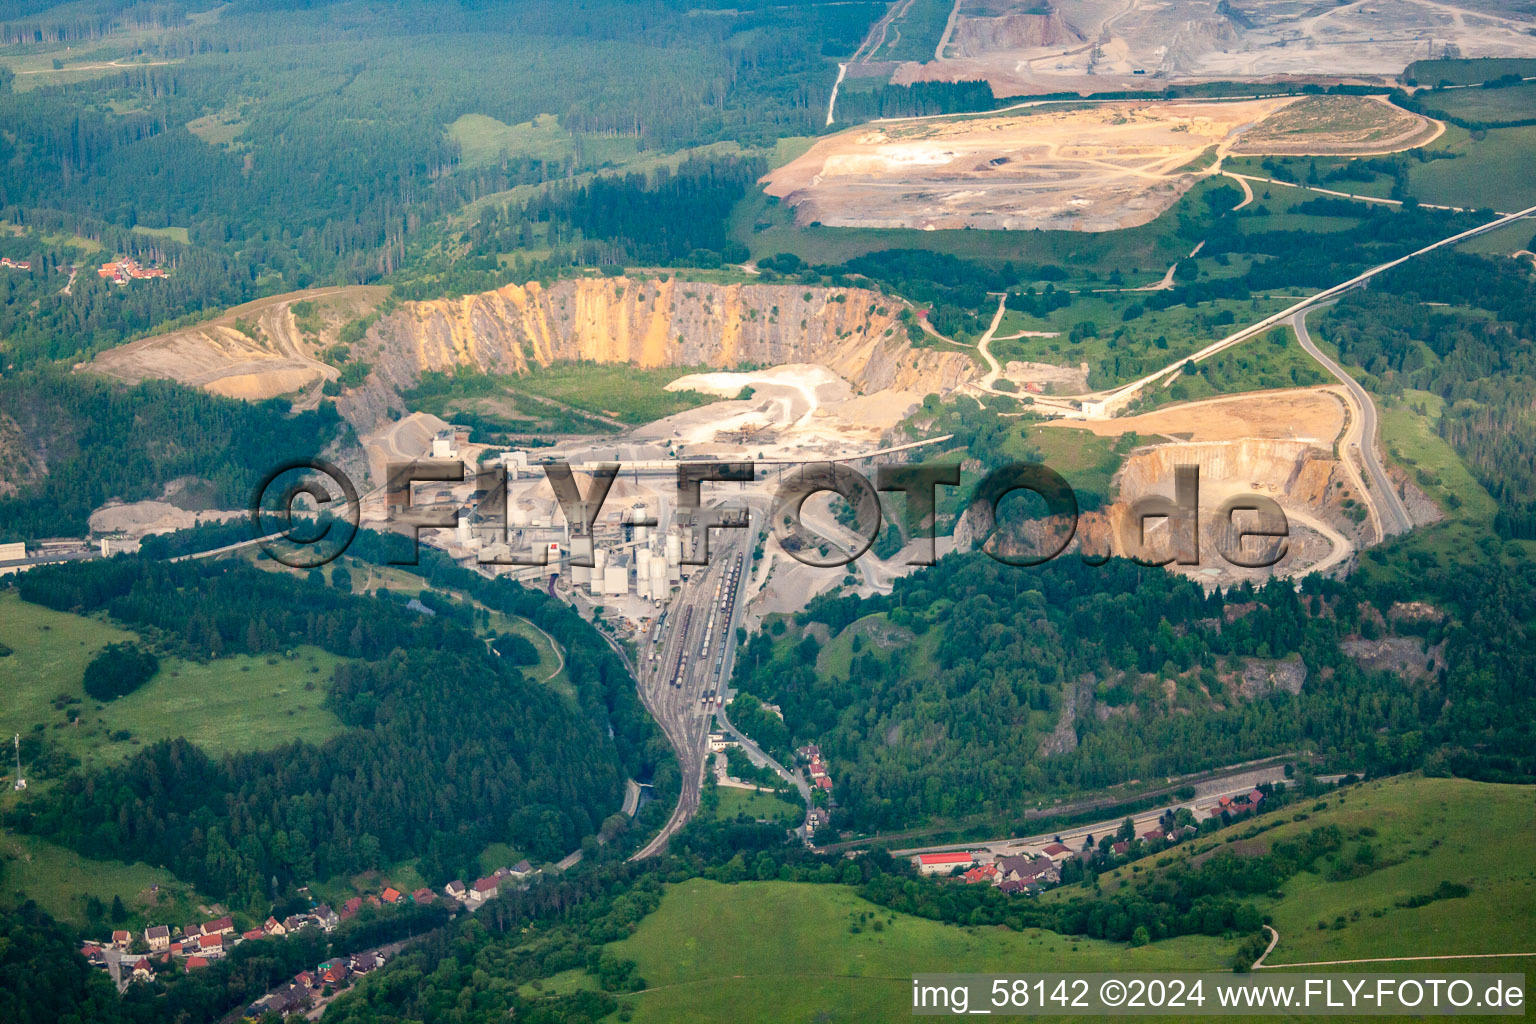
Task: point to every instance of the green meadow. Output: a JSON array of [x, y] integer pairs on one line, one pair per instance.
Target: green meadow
[[781, 951], [62, 882], [224, 706], [1421, 832], [729, 803]]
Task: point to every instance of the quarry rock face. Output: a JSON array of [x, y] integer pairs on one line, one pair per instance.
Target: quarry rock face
[[976, 37], [650, 323]]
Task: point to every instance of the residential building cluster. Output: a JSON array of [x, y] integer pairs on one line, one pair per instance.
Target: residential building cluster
[[484, 889], [819, 816], [125, 269], [308, 988], [1034, 867], [9, 264]]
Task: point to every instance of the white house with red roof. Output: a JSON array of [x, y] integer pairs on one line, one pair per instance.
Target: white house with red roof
[[942, 863]]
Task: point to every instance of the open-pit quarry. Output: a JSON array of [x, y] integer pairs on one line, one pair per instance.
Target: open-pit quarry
[[1102, 167], [835, 377], [1025, 47]]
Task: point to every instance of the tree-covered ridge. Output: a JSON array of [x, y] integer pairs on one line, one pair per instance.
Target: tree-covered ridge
[[280, 146], [1475, 348], [955, 682], [450, 750], [669, 218], [95, 439]]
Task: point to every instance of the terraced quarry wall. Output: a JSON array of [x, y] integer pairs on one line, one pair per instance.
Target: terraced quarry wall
[[647, 323], [853, 332]]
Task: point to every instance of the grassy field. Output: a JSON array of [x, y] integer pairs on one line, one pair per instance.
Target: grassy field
[[1492, 173], [618, 390], [1488, 106], [915, 34], [1422, 831], [483, 140], [225, 705], [778, 951], [1408, 430], [1274, 361], [62, 882], [1468, 71], [730, 803], [1086, 460], [1094, 330], [175, 234]]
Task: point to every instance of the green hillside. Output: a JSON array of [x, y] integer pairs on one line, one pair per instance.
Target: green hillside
[[779, 951]]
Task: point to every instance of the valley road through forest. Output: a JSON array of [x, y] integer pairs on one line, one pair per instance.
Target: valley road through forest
[[1395, 517]]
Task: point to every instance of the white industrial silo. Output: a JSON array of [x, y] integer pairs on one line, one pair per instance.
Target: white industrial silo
[[658, 576], [599, 565], [674, 557], [636, 515], [643, 574]]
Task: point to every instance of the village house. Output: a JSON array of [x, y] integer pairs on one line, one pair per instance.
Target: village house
[[222, 926], [327, 917], [158, 937], [390, 895], [522, 869], [211, 945], [455, 890], [1039, 870], [422, 896], [121, 939], [351, 907], [10, 264], [363, 963], [333, 972], [142, 971], [274, 927], [941, 863], [195, 962], [1057, 852], [816, 818], [1120, 849], [254, 933], [484, 889], [981, 873]]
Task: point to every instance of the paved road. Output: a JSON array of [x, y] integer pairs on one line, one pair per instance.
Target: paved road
[[1205, 795], [1234, 778], [1117, 398], [757, 753], [1395, 518]]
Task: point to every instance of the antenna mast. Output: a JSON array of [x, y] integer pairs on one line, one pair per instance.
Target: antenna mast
[[21, 783]]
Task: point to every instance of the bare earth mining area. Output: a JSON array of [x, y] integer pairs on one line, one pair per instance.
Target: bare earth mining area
[[1025, 47], [1111, 166]]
